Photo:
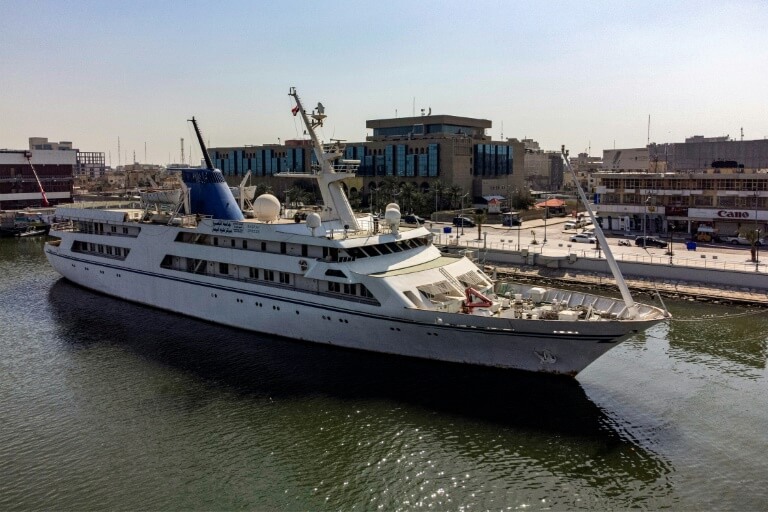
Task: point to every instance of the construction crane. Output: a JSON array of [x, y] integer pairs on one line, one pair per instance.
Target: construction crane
[[28, 154]]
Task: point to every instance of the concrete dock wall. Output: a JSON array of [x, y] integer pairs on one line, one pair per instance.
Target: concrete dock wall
[[572, 262]]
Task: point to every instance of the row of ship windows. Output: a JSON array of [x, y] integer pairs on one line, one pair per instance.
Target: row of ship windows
[[220, 269], [327, 253], [101, 228], [108, 251]]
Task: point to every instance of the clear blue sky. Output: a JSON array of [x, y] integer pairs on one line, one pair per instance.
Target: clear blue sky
[[577, 73]]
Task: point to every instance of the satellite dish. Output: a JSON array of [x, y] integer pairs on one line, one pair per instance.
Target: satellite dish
[[392, 217], [266, 208], [313, 222]]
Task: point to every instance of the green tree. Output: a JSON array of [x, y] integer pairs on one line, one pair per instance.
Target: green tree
[[480, 216], [263, 188], [455, 194], [753, 236], [407, 194]]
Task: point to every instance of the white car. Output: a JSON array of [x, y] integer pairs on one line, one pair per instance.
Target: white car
[[583, 238]]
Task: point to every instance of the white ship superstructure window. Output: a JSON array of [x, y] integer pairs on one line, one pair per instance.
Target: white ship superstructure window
[[106, 251], [106, 229], [357, 292]]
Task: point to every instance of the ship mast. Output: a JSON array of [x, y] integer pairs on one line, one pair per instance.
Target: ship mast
[[206, 156], [615, 270], [329, 180]]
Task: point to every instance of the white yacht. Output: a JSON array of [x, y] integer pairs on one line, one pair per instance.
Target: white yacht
[[338, 277]]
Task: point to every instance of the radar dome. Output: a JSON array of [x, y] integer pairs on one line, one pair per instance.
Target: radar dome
[[313, 221], [266, 208], [392, 206], [392, 216]]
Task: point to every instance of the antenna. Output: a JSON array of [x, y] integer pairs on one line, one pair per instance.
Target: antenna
[[502, 130], [649, 130], [118, 151], [182, 151]]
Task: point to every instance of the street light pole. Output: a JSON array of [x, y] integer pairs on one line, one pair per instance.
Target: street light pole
[[645, 220], [462, 212], [546, 216], [757, 238]]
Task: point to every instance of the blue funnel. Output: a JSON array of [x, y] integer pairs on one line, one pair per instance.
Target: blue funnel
[[209, 194]]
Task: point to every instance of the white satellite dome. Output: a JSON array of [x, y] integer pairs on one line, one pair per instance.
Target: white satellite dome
[[392, 216], [313, 221], [392, 206], [266, 208]]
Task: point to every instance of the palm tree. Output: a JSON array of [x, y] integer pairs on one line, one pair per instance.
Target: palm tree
[[480, 217], [753, 235], [437, 190], [407, 192], [455, 193]]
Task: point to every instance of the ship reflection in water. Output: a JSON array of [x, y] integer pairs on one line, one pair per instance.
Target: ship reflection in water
[[329, 421]]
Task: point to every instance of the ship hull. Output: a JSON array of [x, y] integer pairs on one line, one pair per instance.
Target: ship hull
[[559, 347]]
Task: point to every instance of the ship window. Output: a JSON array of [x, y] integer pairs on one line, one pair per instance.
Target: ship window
[[245, 244], [355, 253], [215, 240], [384, 249], [113, 229], [365, 292], [223, 268], [304, 250], [282, 248], [285, 278], [253, 273], [269, 275], [232, 242], [370, 250], [334, 287], [335, 273], [263, 246]]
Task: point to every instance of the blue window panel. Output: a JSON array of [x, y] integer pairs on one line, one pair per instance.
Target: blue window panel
[[389, 160], [379, 165], [300, 160], [289, 160], [410, 165], [366, 166], [275, 165], [268, 162], [400, 160], [433, 152], [258, 166], [423, 167]]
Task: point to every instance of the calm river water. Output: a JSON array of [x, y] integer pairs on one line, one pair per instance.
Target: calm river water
[[111, 405]]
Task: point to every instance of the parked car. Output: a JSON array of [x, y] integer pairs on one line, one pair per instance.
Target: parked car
[[739, 240], [649, 241], [463, 221], [583, 238], [572, 225], [412, 219]]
